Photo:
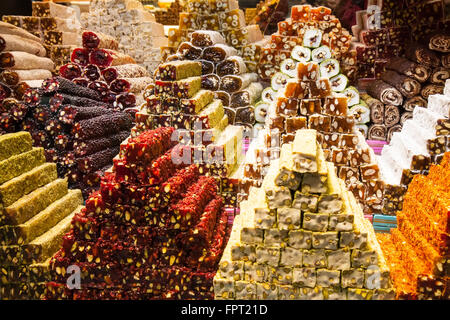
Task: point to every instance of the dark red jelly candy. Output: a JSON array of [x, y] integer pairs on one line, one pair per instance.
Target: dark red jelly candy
[[80, 56], [101, 58], [70, 71]]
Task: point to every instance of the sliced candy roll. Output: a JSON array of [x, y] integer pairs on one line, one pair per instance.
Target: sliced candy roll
[[211, 82], [233, 83], [301, 54], [353, 94], [268, 95], [189, 52], [224, 96], [119, 86], [361, 112], [80, 56], [206, 38], [92, 72], [234, 65], [218, 53], [96, 40], [289, 67], [279, 81], [19, 60], [312, 38], [207, 66], [320, 54], [329, 68], [339, 83], [81, 82], [70, 71], [261, 111], [245, 115], [101, 58], [247, 96]]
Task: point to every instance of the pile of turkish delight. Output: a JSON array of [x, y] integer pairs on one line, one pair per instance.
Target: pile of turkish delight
[[154, 230], [302, 235], [36, 209]]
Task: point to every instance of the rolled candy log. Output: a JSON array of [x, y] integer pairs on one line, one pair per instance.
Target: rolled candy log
[[124, 71], [207, 66], [71, 114], [13, 77], [206, 38], [80, 56], [125, 101], [422, 55], [440, 42], [189, 52], [248, 96], [70, 71], [83, 148], [233, 65], [377, 132], [385, 92], [18, 60], [233, 83], [218, 53], [406, 85], [102, 125], [409, 68], [431, 89], [119, 85], [376, 108], [81, 101], [94, 40], [391, 115], [392, 130], [100, 87], [445, 60], [9, 42], [63, 85], [439, 75], [92, 72], [405, 116], [7, 28], [414, 102], [105, 58], [224, 96], [211, 82]]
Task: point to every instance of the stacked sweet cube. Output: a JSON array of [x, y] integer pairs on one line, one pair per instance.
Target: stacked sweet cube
[[57, 25], [201, 121], [315, 26], [77, 130], [225, 72], [223, 16], [417, 251], [385, 27], [22, 59], [154, 230], [302, 235], [133, 26], [422, 141], [35, 212], [310, 93], [168, 16]]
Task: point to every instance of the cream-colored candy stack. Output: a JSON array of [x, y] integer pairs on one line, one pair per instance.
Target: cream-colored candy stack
[[302, 235], [139, 35]]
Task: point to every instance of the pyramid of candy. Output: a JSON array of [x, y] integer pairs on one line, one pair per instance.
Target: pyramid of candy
[[155, 229], [309, 92], [135, 28], [406, 84], [22, 60], [302, 235], [115, 76], [225, 72], [417, 252], [56, 25], [78, 131], [312, 28], [35, 212], [168, 16], [223, 16], [422, 141], [385, 28], [201, 121]]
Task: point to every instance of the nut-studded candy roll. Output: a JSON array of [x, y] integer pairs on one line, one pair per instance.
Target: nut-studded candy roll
[[13, 77], [247, 96], [24, 61], [72, 114], [407, 86], [431, 89], [224, 96], [422, 55], [16, 43], [211, 82], [414, 102], [94, 40], [206, 38], [233, 83], [440, 43], [218, 53], [189, 52], [440, 75], [409, 68], [102, 125], [391, 115], [233, 65], [385, 93]]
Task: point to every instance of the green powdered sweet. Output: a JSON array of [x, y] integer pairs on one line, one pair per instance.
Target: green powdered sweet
[[14, 143], [33, 203], [16, 188], [18, 164]]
